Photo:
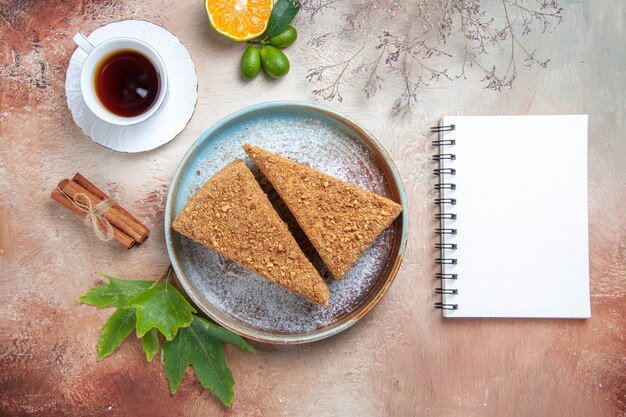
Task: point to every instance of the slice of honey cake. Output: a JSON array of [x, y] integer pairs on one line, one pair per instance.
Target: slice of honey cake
[[340, 219], [232, 215]]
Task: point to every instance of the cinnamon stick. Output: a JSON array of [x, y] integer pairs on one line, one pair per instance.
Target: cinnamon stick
[[135, 224], [114, 215], [120, 237]]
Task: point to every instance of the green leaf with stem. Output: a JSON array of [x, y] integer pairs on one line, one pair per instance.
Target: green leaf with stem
[[195, 346], [190, 340], [161, 307]]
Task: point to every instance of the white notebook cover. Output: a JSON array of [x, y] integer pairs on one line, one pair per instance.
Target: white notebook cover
[[521, 206]]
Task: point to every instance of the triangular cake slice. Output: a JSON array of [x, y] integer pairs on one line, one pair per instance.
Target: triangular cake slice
[[340, 219], [232, 215]]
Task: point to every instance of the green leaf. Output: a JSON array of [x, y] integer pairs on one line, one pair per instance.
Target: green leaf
[[116, 294], [195, 346], [190, 340], [283, 13], [161, 307], [150, 344], [115, 330], [226, 336]]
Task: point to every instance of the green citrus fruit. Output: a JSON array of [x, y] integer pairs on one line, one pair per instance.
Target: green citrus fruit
[[250, 63], [275, 63], [284, 38]]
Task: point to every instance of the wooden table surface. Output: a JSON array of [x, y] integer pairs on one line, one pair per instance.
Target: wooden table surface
[[403, 359]]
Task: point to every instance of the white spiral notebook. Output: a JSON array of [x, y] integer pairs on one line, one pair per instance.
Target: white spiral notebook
[[513, 216]]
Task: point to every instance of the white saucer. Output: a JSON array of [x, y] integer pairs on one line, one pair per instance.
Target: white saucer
[[169, 121]]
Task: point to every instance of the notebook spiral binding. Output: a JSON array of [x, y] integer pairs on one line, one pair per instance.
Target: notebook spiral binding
[[444, 183]]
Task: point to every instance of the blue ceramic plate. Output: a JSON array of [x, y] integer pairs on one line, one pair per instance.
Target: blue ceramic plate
[[241, 300]]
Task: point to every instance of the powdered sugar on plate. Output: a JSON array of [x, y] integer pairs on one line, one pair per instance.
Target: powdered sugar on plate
[[324, 145]]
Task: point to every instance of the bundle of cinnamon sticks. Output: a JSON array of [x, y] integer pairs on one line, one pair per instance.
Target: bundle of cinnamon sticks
[[124, 227]]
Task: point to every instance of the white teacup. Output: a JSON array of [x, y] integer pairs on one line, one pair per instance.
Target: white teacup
[[95, 54]]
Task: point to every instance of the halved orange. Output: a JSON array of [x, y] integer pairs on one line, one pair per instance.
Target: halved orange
[[239, 20]]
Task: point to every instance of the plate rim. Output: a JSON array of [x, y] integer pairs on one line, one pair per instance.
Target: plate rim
[[261, 335]]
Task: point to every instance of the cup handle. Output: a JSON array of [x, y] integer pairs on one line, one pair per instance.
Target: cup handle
[[82, 42]]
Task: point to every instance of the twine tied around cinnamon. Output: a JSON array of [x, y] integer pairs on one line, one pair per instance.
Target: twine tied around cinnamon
[[95, 214]]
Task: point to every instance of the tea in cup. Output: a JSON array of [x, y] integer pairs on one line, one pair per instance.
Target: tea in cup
[[123, 80]]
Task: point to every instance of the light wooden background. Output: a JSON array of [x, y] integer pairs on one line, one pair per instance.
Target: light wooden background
[[401, 360]]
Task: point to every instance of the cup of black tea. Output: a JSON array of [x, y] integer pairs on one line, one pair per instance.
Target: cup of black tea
[[123, 80]]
